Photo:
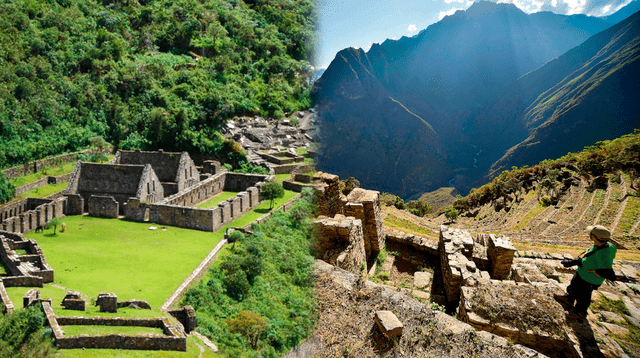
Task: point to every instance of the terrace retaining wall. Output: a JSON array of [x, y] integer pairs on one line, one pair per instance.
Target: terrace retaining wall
[[173, 339]]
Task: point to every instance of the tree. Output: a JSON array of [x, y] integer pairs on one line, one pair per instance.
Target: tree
[[271, 191], [53, 222], [7, 190], [249, 324], [451, 214]]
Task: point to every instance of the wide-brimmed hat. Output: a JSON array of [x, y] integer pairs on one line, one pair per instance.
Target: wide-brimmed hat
[[601, 232]]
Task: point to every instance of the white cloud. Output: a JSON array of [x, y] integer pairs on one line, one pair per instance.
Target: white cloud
[[565, 7], [450, 1], [412, 28], [442, 14], [366, 49]]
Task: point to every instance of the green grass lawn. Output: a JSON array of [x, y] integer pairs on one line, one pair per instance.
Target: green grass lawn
[[107, 255], [282, 177], [217, 199], [43, 191], [104, 330], [46, 172]]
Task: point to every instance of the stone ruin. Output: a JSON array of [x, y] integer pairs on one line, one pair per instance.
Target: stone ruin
[[271, 143], [28, 214], [163, 188], [480, 276], [30, 269], [349, 227], [73, 301], [108, 302], [172, 339]]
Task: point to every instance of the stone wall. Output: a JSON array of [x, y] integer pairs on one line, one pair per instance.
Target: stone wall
[[280, 158], [290, 168], [75, 204], [423, 244], [302, 178], [341, 242], [535, 330], [103, 206], [36, 184], [199, 192], [456, 259], [30, 298], [42, 182], [188, 174], [180, 216], [297, 187], [22, 281], [33, 167], [328, 192], [172, 340], [30, 213], [34, 273], [186, 316], [165, 164], [500, 252], [4, 299], [365, 205], [211, 167], [241, 181]]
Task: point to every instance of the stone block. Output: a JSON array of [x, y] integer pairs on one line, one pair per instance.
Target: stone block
[[108, 302], [32, 296], [421, 279], [500, 252], [389, 324]]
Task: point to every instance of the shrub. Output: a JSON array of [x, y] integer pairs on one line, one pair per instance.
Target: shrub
[[451, 214], [235, 236]]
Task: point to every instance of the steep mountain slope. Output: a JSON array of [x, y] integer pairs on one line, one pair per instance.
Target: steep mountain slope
[[149, 74], [447, 72], [599, 100], [406, 146]]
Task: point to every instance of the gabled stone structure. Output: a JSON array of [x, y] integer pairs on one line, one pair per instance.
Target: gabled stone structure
[[176, 171], [117, 181]]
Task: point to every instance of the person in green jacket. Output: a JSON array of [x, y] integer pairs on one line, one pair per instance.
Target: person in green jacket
[[593, 268]]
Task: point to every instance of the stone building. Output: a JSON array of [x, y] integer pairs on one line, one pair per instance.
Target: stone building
[[105, 188], [176, 170]]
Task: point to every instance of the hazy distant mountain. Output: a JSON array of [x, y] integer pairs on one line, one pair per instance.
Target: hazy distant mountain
[[444, 76], [368, 134], [623, 13], [597, 100]]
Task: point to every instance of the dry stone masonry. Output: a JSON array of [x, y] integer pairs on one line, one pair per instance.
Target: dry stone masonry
[[341, 242], [173, 338], [28, 214], [365, 205], [73, 301]]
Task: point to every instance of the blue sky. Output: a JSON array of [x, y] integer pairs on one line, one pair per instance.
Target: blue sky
[[360, 23]]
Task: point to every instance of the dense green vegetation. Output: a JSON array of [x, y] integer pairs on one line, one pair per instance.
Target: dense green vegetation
[[142, 74], [418, 207], [605, 158], [22, 334], [7, 189], [257, 300]]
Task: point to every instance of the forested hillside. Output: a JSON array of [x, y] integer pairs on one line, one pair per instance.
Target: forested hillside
[[142, 74]]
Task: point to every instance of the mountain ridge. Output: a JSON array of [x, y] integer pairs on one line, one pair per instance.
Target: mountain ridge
[[435, 76]]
